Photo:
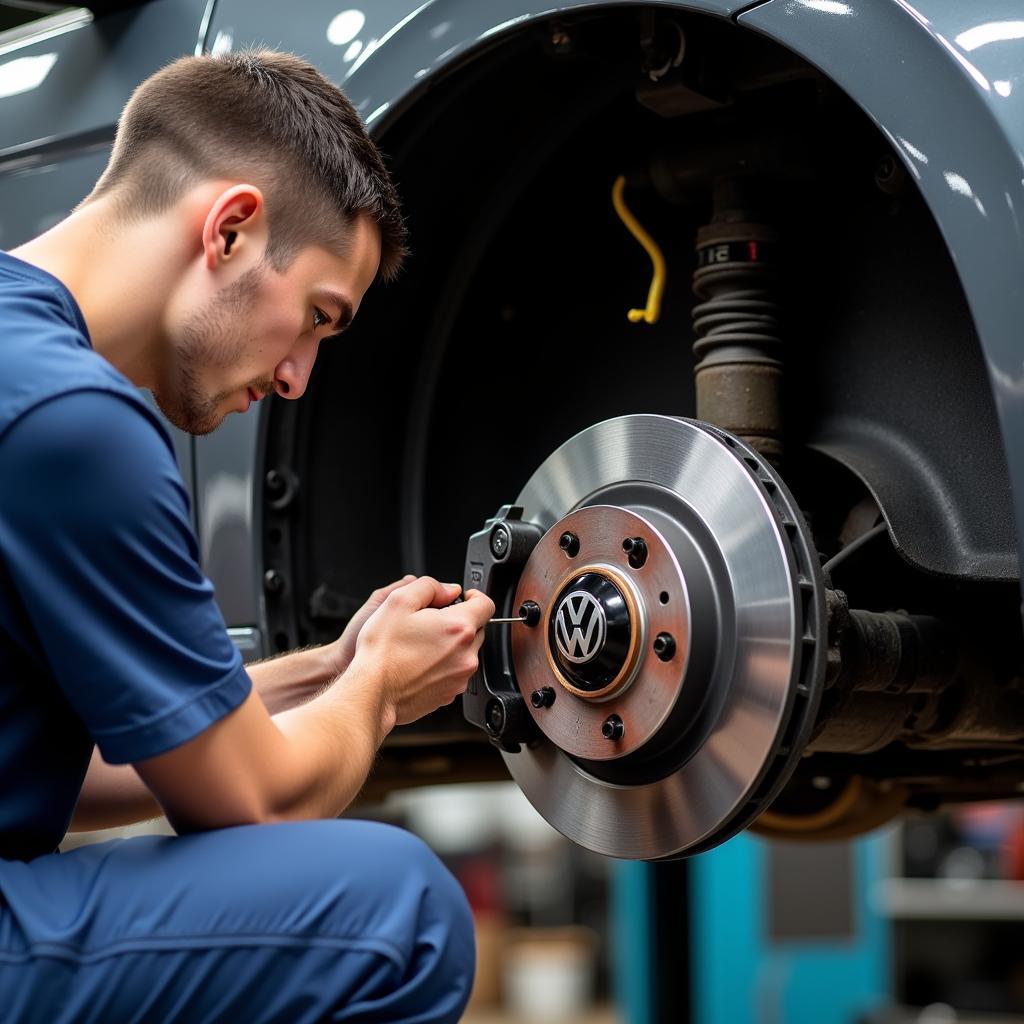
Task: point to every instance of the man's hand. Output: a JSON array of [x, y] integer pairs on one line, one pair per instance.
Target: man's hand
[[341, 651], [413, 655], [423, 651]]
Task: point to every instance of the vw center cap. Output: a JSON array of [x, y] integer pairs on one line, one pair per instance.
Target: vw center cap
[[589, 631]]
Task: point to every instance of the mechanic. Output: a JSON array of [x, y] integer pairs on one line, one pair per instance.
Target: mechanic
[[242, 216]]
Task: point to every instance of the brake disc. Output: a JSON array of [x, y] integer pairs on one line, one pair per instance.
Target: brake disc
[[669, 677]]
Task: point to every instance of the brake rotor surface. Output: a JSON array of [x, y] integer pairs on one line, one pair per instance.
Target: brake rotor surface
[[681, 676]]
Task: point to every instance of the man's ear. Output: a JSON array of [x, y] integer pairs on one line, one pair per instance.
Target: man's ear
[[234, 225]]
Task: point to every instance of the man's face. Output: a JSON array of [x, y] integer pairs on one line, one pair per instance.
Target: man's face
[[260, 334]]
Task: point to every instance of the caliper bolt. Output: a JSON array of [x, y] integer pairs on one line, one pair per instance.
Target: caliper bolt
[[500, 541], [612, 728], [495, 718], [273, 581], [529, 612], [543, 698], [664, 646], [636, 549], [569, 543], [275, 482]]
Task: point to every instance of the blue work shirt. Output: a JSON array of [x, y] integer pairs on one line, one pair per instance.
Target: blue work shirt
[[109, 632]]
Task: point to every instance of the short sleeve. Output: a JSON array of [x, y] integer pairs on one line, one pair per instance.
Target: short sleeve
[[96, 536]]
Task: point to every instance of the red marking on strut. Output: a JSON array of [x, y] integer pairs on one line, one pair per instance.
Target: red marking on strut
[[752, 250]]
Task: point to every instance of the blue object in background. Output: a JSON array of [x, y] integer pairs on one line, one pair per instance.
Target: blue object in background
[[632, 931], [742, 976], [739, 973]]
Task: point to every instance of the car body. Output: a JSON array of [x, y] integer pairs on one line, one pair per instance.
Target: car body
[[892, 134]]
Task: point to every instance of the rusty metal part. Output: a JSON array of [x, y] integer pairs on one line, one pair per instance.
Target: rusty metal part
[[743, 398], [887, 652], [738, 376], [645, 692], [913, 680], [859, 806]]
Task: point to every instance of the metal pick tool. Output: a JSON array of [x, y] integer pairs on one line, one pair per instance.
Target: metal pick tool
[[518, 618], [529, 614], [529, 610]]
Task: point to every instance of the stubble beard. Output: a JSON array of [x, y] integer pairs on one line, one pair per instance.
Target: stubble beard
[[210, 339]]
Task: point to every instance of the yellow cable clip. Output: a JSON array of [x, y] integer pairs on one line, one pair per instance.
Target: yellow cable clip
[[651, 313]]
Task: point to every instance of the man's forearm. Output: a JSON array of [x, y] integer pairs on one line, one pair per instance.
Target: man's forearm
[[289, 680], [114, 795], [307, 762], [338, 735]]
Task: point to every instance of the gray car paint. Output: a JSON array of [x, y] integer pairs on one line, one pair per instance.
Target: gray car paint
[[382, 68], [944, 81], [55, 136], [893, 58], [95, 66]]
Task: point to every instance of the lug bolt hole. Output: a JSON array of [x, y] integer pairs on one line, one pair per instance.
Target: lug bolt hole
[[663, 597], [636, 549], [612, 729], [569, 543], [664, 646]]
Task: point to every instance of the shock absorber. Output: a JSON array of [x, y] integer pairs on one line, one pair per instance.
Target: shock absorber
[[738, 344]]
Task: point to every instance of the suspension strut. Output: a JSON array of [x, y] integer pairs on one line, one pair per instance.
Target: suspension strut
[[738, 344]]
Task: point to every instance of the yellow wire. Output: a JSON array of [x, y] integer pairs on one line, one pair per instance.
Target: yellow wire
[[653, 309]]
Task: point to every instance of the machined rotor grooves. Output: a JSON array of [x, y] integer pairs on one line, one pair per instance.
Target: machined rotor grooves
[[809, 674]]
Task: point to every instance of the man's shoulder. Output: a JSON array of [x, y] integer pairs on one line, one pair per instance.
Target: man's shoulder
[[90, 462], [46, 352], [91, 427]]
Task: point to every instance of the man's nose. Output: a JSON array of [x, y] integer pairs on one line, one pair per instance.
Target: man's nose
[[292, 373]]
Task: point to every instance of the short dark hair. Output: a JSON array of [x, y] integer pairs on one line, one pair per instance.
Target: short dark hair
[[266, 115]]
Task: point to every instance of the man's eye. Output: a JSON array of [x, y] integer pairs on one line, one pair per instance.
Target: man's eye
[[319, 318]]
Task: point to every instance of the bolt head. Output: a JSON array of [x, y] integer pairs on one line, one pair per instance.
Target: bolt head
[[543, 698], [613, 729], [500, 542], [529, 612], [664, 646], [636, 549], [495, 717]]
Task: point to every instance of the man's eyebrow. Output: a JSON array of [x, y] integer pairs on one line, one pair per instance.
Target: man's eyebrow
[[346, 313]]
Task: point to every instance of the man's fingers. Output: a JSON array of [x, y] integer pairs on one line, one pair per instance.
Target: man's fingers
[[452, 592], [479, 607], [392, 587], [424, 592]]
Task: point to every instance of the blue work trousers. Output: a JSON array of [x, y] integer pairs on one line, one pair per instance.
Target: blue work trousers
[[291, 923]]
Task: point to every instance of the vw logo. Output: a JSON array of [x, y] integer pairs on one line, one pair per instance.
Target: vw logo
[[580, 627]]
